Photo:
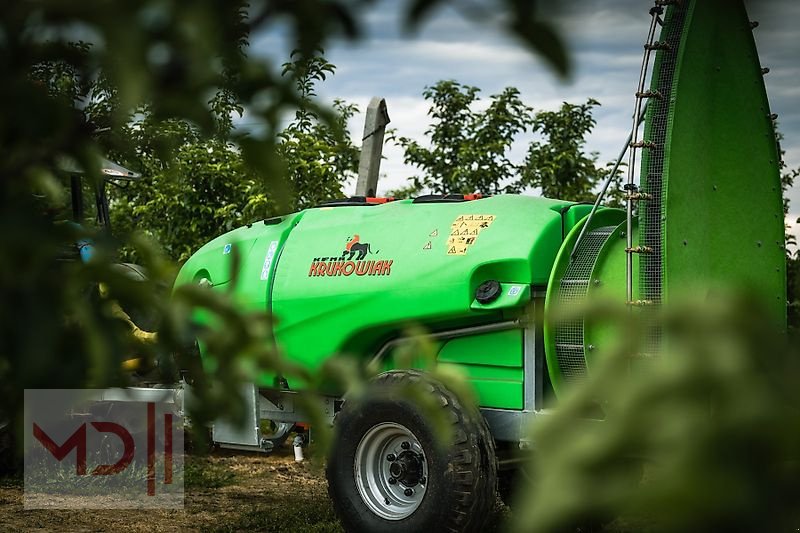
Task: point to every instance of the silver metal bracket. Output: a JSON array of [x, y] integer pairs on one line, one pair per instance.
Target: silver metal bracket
[[643, 144], [639, 250], [650, 94], [658, 45]]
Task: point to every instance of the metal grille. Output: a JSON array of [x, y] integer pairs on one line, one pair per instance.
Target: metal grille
[[569, 341], [651, 213]]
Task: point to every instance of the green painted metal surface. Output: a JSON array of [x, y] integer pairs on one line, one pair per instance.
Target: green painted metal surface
[[713, 216], [349, 279], [573, 215], [721, 206], [492, 363], [566, 296], [608, 285]]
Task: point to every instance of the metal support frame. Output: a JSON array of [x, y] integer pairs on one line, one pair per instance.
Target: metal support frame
[[639, 106], [507, 425], [533, 358], [245, 436], [511, 425], [281, 406], [446, 335]]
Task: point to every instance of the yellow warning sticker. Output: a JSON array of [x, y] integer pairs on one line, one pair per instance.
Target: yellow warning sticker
[[464, 232], [457, 249]]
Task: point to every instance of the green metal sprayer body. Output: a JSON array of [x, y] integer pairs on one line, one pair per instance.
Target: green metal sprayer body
[[351, 279]]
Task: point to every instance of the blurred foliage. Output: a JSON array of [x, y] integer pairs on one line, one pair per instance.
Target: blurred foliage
[[202, 187], [715, 421], [58, 102], [469, 147], [318, 154], [172, 73]]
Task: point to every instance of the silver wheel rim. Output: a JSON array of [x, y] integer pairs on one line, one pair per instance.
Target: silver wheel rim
[[374, 470]]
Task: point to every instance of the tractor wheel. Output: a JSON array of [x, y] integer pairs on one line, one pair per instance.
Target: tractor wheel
[[390, 470]]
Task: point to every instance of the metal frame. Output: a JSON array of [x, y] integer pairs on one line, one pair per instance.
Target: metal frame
[[247, 436], [282, 406], [286, 409], [447, 335], [509, 424]]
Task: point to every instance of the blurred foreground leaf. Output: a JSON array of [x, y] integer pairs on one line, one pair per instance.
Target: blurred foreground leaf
[[715, 421]]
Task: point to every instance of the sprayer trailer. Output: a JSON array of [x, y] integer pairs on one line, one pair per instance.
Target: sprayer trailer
[[474, 277]]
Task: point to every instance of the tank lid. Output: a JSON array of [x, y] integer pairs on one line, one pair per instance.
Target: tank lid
[[356, 200], [447, 198]]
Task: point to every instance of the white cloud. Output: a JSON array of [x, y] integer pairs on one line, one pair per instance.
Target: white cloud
[[605, 38]]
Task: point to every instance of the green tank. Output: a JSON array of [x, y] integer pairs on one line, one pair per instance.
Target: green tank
[[353, 278]]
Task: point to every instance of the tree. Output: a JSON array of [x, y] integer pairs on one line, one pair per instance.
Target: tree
[[201, 193], [194, 188], [793, 288], [469, 148], [318, 155], [558, 165], [788, 177]]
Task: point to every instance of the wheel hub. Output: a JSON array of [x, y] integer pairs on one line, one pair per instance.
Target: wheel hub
[[389, 470], [407, 469]]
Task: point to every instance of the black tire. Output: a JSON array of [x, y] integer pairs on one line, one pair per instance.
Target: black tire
[[460, 480]]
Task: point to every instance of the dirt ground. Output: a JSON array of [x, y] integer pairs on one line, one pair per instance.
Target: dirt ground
[[224, 492]]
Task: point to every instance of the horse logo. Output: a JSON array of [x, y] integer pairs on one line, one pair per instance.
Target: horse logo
[[354, 247]]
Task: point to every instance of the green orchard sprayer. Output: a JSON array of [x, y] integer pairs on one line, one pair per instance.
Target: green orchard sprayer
[[478, 273]]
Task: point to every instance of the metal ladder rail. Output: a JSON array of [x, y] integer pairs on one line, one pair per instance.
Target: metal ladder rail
[[631, 189], [633, 143]]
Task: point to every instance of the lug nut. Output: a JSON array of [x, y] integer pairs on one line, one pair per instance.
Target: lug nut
[[392, 481], [422, 480], [391, 458], [405, 445], [408, 492]]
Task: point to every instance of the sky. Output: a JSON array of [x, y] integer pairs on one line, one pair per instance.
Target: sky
[[604, 38]]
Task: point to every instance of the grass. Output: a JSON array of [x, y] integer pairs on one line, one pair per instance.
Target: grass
[[201, 473], [11, 481], [308, 516], [310, 513]]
